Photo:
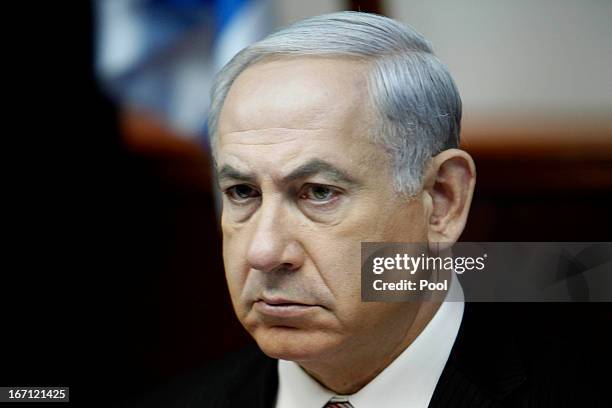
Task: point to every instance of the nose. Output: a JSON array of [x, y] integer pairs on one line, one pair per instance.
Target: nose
[[274, 245]]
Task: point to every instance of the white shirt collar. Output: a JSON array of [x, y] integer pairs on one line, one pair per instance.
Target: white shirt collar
[[409, 380]]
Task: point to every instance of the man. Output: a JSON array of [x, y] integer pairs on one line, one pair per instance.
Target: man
[[337, 130]]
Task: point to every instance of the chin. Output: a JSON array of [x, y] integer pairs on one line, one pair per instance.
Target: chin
[[287, 343]]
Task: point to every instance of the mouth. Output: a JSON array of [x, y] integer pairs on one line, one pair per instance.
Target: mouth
[[280, 307]]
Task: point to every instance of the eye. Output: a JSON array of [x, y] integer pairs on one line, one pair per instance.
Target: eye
[[319, 193], [241, 193]]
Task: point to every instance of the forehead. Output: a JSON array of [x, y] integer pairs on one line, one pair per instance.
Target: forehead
[[281, 114], [305, 93]]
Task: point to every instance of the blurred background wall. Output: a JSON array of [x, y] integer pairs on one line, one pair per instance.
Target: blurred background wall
[[142, 257], [541, 58]]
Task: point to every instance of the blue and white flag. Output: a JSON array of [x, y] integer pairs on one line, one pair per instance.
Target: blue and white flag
[[161, 55]]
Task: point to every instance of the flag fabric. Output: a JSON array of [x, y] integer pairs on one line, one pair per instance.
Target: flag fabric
[[161, 55]]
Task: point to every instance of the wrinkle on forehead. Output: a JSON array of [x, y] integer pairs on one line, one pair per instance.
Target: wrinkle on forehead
[[302, 93], [268, 136], [280, 147]]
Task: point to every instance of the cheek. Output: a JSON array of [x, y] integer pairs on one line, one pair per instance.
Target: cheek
[[338, 261], [234, 262], [415, 230], [400, 222], [336, 252]]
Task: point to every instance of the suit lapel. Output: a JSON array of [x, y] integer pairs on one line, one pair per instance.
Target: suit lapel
[[484, 366]]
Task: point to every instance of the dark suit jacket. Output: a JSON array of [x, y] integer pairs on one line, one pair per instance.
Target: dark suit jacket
[[499, 359]]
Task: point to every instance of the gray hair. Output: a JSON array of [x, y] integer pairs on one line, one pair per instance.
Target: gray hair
[[417, 104]]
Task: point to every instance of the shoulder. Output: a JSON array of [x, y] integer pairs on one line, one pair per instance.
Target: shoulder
[[247, 373], [515, 354]]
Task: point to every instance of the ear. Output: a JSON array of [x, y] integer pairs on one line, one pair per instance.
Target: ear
[[449, 184]]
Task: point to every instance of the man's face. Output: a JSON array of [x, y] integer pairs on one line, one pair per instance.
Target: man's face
[[303, 187]]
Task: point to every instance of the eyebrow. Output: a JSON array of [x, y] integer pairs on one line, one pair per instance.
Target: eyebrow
[[309, 169], [318, 166], [228, 172]]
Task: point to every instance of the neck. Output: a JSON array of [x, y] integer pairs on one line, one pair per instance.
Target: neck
[[353, 369]]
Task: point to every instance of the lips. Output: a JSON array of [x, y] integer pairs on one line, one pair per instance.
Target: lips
[[279, 301], [281, 307]]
